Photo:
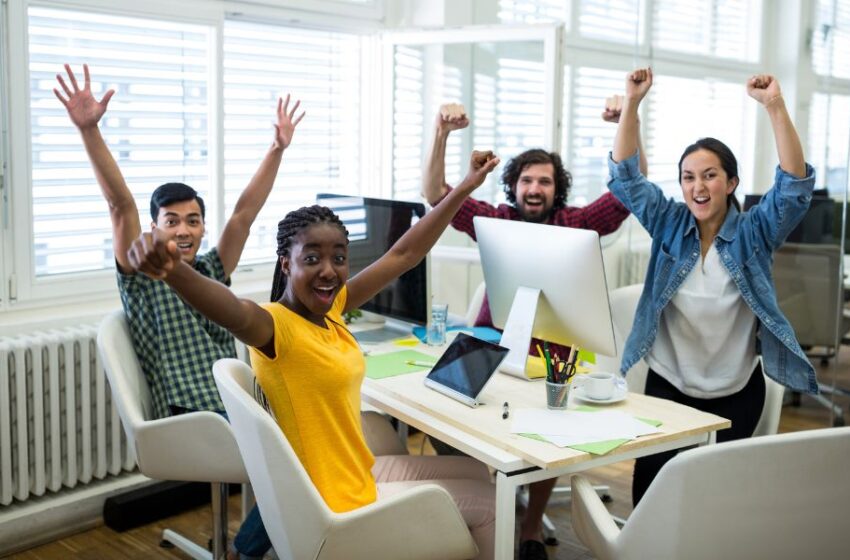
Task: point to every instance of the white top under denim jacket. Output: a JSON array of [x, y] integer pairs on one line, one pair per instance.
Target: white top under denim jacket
[[706, 342], [745, 243]]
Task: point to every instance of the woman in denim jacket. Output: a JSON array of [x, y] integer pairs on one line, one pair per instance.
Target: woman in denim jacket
[[708, 307]]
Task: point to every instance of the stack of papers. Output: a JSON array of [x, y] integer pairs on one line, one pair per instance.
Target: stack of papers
[[573, 427]]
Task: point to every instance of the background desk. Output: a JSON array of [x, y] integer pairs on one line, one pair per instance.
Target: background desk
[[482, 433]]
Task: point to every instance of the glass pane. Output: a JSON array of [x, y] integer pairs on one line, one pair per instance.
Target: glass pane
[[262, 62], [501, 86], [156, 125]]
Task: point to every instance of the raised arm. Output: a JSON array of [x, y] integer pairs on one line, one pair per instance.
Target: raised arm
[[627, 139], [418, 240], [450, 117], [765, 89], [612, 112], [153, 254], [85, 112], [235, 234]]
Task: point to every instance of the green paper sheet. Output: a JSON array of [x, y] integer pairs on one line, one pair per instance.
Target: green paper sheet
[[597, 447], [395, 363]]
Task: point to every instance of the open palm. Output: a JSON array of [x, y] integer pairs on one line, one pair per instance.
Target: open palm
[[285, 125], [85, 111]]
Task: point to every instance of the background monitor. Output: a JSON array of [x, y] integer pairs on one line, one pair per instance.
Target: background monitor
[[547, 282], [374, 225], [820, 225]]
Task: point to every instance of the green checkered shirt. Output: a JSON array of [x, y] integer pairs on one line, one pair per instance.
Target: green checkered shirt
[[175, 344]]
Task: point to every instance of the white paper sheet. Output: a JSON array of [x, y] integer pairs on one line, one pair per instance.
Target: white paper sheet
[[572, 427]]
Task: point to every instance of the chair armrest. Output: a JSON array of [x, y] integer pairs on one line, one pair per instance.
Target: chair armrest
[[592, 523], [420, 523], [198, 447]]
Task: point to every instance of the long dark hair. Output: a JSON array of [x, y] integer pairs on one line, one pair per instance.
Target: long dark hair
[[294, 223], [727, 162], [514, 168]]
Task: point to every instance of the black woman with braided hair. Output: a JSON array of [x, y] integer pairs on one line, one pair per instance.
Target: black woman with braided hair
[[309, 365]]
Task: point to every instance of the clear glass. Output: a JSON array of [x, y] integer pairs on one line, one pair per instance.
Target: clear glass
[[437, 326]]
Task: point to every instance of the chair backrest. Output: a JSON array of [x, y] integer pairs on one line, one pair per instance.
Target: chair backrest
[[283, 488], [623, 303], [779, 496], [129, 387]]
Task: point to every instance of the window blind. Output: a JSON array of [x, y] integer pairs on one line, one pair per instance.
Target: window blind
[[719, 28], [590, 138], [261, 63], [156, 126], [682, 110], [829, 134], [617, 21], [831, 38], [409, 130], [532, 11]]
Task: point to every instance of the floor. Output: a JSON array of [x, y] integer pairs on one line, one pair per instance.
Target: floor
[[142, 543]]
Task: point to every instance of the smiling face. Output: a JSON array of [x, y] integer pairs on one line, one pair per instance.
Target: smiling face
[[706, 187], [535, 192], [316, 270], [184, 223]]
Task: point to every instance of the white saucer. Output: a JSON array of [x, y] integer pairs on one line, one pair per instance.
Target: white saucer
[[619, 395]]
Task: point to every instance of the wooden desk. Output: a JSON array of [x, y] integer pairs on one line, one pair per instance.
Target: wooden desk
[[482, 433]]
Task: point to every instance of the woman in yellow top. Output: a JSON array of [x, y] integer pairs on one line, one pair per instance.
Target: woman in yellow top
[[309, 365]]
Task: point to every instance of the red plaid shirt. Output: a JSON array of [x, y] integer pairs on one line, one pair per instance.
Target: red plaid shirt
[[604, 215]]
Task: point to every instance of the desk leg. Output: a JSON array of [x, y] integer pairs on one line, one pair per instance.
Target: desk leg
[[505, 516]]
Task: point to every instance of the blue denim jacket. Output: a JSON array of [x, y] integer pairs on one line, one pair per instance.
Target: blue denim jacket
[[745, 243]]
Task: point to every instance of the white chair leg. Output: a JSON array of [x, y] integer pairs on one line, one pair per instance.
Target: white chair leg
[[179, 541]]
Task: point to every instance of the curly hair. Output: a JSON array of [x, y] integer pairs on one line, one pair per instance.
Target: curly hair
[[294, 223], [515, 167]]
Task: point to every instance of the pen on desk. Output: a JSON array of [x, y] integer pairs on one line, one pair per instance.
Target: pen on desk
[[417, 363], [505, 411]]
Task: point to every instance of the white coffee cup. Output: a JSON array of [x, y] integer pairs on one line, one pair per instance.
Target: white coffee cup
[[599, 385]]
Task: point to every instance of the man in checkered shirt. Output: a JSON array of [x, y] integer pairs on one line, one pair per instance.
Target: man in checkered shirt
[[175, 344], [536, 186]]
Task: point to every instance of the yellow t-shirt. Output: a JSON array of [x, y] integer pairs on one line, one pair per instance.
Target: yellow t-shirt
[[313, 387]]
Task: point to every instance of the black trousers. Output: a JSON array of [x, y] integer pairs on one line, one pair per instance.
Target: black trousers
[[742, 408]]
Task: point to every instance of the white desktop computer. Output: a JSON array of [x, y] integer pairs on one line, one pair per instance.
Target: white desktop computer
[[546, 282]]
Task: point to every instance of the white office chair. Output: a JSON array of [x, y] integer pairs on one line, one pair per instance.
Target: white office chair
[[779, 497], [421, 523], [197, 446]]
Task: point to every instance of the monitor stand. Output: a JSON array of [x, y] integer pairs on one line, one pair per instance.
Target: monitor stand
[[517, 334], [390, 330]]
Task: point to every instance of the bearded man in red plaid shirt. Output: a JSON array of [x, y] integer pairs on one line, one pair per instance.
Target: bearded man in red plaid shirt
[[536, 188]]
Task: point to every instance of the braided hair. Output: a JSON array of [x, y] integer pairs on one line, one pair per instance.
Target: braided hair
[[294, 223]]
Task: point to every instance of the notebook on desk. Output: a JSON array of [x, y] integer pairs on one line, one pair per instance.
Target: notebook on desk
[[465, 368]]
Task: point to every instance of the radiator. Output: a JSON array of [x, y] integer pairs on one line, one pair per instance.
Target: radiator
[[58, 427]]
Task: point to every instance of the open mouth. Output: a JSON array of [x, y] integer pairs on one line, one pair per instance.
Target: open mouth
[[184, 246], [700, 200], [534, 204], [325, 294]]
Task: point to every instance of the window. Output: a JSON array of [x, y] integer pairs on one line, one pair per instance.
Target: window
[[617, 21], [682, 110], [829, 122], [532, 11], [720, 28], [831, 38], [157, 125], [262, 62]]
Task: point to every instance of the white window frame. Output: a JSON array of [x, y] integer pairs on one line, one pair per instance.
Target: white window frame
[[86, 288]]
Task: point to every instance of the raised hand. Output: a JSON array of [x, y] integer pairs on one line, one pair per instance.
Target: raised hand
[[613, 109], [480, 165], [85, 111], [638, 84], [763, 88], [154, 254], [452, 116], [285, 125]]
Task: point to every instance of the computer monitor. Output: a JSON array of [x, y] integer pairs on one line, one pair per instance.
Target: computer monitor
[[374, 225], [821, 224], [547, 282]]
